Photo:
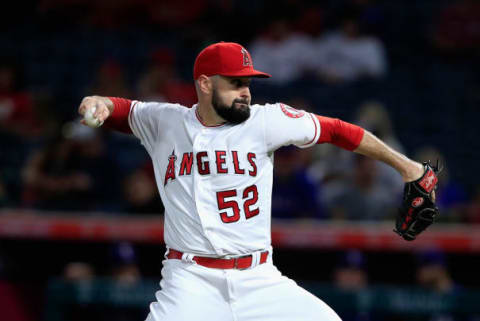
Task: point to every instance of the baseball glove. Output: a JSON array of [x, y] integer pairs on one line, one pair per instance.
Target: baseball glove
[[418, 210]]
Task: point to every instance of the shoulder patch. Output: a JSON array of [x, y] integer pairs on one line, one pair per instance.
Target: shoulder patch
[[291, 112]]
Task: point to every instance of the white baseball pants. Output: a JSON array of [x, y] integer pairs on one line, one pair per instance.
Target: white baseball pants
[[191, 292]]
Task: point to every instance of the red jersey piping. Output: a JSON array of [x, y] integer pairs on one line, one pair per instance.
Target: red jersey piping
[[201, 122], [314, 136]]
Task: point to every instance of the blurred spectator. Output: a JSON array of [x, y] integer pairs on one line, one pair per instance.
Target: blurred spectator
[[78, 272], [295, 194], [141, 194], [361, 197], [346, 54], [125, 276], [161, 82], [330, 167], [374, 117], [78, 276], [456, 31], [110, 80], [17, 113], [433, 275], [432, 272], [341, 172], [72, 173], [124, 268], [281, 52], [451, 196], [350, 275], [350, 272]]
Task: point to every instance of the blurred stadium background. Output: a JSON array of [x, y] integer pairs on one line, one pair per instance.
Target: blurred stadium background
[[80, 218]]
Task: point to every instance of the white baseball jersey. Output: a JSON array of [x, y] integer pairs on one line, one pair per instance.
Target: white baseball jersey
[[216, 182]]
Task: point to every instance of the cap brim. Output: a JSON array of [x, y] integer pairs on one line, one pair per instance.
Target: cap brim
[[247, 73]]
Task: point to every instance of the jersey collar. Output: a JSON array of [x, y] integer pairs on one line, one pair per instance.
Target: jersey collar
[[197, 116]]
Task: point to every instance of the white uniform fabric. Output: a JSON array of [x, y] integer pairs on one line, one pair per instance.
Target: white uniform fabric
[[193, 292], [216, 186], [192, 220]]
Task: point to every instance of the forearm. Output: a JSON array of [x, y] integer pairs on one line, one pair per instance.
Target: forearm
[[374, 148]]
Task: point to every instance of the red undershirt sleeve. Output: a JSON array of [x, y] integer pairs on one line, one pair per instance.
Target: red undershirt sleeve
[[339, 133], [118, 120]]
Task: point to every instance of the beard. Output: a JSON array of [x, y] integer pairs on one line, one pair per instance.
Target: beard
[[232, 113]]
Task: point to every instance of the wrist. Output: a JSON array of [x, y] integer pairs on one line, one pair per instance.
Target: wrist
[[413, 172], [119, 112], [109, 103]]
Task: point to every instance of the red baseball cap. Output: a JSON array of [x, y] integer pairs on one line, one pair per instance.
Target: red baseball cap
[[225, 59]]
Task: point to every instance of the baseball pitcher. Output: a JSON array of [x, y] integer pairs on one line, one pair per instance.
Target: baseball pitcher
[[214, 170]]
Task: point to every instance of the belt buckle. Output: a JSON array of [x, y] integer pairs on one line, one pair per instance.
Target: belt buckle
[[235, 265]]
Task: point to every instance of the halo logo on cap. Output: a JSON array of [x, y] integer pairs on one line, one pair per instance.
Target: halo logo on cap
[[246, 58]]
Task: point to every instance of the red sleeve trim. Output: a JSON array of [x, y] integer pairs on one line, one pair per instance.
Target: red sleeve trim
[[118, 120], [339, 133]]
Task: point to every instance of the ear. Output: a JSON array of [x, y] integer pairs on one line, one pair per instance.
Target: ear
[[205, 84]]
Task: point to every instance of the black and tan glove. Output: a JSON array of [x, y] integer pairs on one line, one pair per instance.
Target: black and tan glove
[[418, 209]]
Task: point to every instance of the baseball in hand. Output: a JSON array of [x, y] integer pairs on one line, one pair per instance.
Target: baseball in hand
[[90, 120]]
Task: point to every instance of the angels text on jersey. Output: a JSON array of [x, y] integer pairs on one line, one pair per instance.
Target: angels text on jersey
[[225, 163]]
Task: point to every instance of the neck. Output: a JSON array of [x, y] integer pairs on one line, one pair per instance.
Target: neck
[[208, 116]]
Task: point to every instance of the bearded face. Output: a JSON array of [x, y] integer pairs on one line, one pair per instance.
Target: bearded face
[[236, 113]]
